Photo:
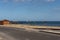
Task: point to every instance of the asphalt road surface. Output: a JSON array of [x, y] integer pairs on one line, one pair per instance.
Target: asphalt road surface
[[22, 34]]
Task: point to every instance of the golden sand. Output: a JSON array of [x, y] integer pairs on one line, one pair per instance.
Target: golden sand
[[29, 26]]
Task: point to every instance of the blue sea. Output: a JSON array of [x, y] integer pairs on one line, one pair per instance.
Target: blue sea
[[40, 23]]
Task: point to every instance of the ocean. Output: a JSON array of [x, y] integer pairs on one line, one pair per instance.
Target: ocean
[[40, 23]]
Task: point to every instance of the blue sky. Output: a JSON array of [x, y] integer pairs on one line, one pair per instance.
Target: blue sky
[[30, 10]]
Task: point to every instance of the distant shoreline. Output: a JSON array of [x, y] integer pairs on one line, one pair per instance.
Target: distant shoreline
[[38, 23]]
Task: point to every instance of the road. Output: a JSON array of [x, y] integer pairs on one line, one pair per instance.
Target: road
[[21, 34]]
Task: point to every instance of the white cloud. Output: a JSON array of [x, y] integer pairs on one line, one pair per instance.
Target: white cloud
[[29, 0], [21, 0], [57, 8], [50, 0], [15, 0], [5, 0]]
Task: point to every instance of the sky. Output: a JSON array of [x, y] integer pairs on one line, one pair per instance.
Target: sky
[[30, 10]]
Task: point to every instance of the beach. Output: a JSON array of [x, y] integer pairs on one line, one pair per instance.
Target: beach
[[28, 32], [10, 33], [29, 26], [54, 29]]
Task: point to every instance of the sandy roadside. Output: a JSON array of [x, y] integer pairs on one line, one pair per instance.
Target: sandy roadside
[[32, 28], [28, 26]]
